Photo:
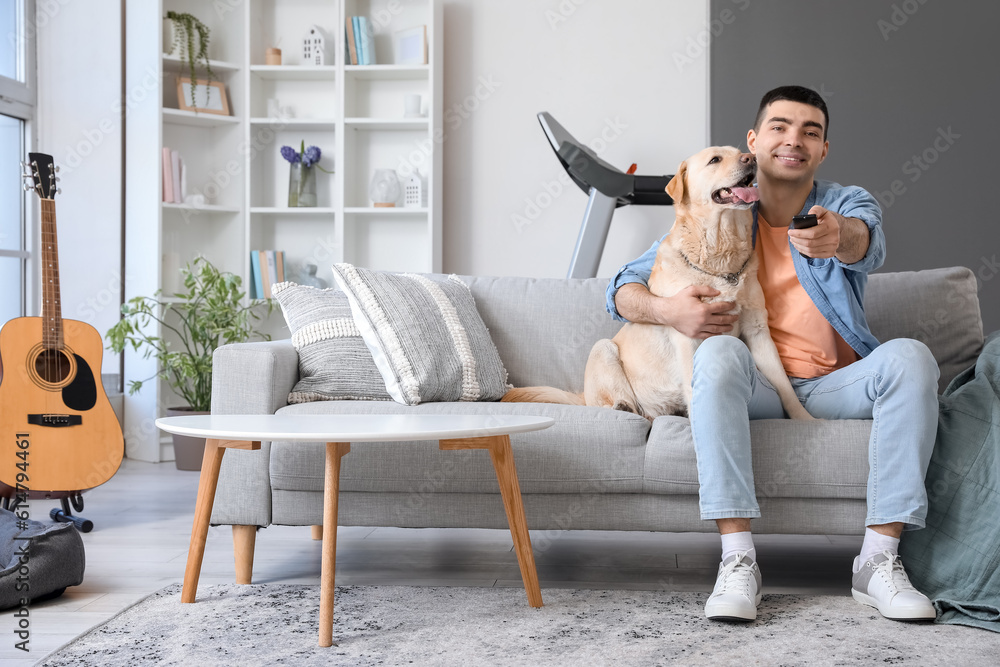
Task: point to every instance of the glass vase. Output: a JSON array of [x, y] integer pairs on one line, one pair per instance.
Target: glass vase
[[301, 186]]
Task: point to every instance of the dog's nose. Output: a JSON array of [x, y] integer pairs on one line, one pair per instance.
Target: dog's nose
[[748, 158]]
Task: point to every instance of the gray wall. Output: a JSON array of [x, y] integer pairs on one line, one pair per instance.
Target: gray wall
[[899, 77]]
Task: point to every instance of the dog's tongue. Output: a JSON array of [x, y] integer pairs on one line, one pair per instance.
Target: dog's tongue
[[747, 195]]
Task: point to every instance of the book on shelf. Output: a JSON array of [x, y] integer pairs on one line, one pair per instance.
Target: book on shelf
[[267, 267], [272, 272], [367, 45], [350, 43], [176, 166], [358, 42], [279, 260], [168, 176], [256, 283], [173, 177]]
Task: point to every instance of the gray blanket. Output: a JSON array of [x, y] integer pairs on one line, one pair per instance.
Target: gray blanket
[[955, 560]]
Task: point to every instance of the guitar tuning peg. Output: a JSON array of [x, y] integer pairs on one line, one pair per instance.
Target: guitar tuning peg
[[58, 191], [57, 170], [57, 179], [27, 187]]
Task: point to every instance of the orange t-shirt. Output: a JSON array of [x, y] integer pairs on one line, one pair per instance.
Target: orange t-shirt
[[808, 345]]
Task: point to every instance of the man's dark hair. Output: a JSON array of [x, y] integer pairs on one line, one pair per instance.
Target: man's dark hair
[[793, 94]]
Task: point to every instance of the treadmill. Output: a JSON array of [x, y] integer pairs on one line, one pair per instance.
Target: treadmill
[[607, 188]]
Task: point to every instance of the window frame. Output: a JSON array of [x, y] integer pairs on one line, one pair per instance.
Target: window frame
[[19, 99]]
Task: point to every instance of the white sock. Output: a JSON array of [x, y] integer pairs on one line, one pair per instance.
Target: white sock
[[874, 544], [733, 543]]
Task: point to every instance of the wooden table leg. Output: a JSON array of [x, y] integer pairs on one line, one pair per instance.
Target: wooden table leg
[[503, 463], [331, 490], [209, 480]]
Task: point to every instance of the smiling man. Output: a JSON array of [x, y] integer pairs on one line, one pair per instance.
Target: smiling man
[[814, 281]]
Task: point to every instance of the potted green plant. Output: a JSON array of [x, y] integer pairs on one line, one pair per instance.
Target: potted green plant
[[184, 30], [210, 312]]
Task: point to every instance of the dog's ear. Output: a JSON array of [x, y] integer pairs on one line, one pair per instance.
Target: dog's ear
[[677, 187]]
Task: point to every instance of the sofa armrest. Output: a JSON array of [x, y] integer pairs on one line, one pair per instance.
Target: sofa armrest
[[249, 378], [253, 378]]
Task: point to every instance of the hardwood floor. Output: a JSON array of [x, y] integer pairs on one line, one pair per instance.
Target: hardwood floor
[[143, 516]]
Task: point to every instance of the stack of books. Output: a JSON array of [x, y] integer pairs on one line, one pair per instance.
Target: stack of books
[[359, 44], [173, 177], [267, 268]]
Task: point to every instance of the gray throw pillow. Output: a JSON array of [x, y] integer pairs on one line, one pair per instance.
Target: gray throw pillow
[[425, 335], [334, 362]]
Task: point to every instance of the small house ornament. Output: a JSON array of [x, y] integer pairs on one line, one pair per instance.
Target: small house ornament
[[413, 192], [314, 47]]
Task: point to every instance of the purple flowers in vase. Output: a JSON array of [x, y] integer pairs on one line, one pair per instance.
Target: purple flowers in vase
[[301, 176], [310, 156]]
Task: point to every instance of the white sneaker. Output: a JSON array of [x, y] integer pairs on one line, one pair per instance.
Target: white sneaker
[[737, 590], [882, 583]]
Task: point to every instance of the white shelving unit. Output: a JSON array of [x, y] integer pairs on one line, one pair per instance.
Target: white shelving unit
[[354, 113]]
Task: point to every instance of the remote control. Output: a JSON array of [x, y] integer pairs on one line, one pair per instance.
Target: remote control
[[804, 221]]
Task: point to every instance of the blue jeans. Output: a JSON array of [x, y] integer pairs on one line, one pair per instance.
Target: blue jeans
[[895, 386]]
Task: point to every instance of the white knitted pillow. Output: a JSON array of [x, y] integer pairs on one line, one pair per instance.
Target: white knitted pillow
[[425, 335]]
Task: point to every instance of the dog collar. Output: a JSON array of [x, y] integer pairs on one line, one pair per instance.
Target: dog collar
[[731, 278]]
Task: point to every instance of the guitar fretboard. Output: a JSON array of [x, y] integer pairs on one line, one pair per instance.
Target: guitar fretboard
[[52, 332]]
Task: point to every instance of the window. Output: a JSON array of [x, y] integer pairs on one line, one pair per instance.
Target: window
[[12, 254], [17, 110]]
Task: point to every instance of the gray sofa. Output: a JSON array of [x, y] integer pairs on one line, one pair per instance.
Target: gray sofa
[[595, 468]]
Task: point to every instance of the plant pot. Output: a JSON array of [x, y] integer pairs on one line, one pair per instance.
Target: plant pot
[[171, 46], [188, 451]]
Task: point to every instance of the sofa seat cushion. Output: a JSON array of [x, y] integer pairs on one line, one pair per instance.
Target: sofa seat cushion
[[791, 459], [587, 450]]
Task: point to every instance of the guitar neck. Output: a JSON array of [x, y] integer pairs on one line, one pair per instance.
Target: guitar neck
[[52, 331]]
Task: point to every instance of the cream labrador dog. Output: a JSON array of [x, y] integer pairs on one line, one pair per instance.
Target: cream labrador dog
[[647, 368]]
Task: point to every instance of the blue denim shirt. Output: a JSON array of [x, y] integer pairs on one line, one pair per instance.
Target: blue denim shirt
[[837, 289]]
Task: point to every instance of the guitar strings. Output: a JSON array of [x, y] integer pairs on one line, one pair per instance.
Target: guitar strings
[[48, 346]]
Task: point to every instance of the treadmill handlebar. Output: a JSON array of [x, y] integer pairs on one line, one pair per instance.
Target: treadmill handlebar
[[589, 171]]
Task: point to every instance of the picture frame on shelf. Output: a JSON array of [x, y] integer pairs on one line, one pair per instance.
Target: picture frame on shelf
[[217, 102], [410, 46]]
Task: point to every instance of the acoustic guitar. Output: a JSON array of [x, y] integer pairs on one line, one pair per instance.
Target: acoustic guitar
[[58, 431]]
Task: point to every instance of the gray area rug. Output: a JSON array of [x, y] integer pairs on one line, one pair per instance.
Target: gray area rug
[[397, 625]]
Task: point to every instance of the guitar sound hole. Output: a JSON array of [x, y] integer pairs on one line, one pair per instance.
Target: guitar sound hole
[[52, 366]]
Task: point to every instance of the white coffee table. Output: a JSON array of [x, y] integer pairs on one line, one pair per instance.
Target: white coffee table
[[489, 432]]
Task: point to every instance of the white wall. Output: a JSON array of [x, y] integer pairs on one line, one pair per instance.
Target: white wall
[[79, 88], [594, 65]]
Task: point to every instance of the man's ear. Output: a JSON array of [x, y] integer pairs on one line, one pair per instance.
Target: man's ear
[[677, 187]]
